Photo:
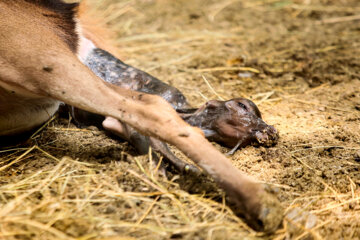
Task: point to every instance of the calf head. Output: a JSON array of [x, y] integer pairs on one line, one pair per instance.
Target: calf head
[[236, 122]]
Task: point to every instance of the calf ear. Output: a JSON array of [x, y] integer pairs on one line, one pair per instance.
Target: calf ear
[[213, 104], [252, 107]]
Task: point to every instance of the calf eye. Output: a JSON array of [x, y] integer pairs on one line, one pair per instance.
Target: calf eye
[[242, 105]]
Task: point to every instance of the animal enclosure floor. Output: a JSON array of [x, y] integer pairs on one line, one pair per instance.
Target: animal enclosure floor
[[299, 60]]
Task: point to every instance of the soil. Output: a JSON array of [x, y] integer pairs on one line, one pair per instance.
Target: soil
[[299, 60]]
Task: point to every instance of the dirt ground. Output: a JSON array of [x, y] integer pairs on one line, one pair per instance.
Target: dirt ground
[[299, 60]]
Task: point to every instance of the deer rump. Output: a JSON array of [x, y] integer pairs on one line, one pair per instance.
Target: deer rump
[[42, 46]]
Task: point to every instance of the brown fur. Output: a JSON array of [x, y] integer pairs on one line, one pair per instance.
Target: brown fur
[[61, 15]]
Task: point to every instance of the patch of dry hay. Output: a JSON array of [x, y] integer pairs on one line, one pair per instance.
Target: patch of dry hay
[[68, 199]]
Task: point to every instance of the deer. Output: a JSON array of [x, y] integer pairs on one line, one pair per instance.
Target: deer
[[43, 44]]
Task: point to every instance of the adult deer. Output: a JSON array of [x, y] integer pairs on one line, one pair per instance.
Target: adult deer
[[42, 46]]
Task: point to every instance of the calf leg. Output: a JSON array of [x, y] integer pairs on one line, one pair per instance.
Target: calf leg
[[142, 143]]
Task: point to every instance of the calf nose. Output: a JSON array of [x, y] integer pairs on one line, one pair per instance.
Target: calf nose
[[273, 133], [261, 136], [267, 136]]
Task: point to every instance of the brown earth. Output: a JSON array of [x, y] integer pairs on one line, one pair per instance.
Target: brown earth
[[299, 60]]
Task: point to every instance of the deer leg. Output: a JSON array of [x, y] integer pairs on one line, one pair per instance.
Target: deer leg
[[180, 165], [142, 144], [120, 129]]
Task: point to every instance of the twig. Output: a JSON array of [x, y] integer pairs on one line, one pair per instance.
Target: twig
[[216, 69], [266, 97], [220, 8], [211, 88], [148, 211], [340, 19], [324, 147], [18, 159], [42, 127], [203, 96], [337, 205], [306, 165]]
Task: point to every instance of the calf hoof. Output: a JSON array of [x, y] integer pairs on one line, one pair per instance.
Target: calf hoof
[[191, 169]]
